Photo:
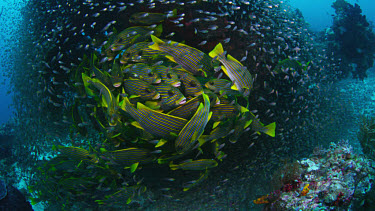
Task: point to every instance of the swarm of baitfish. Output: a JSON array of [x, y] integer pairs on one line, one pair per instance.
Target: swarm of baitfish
[[160, 101]]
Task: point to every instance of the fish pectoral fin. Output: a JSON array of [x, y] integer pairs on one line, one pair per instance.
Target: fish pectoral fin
[[134, 167], [171, 58], [133, 96], [234, 87], [202, 139], [215, 124], [156, 42], [160, 143], [104, 102], [137, 125], [173, 134], [248, 123]]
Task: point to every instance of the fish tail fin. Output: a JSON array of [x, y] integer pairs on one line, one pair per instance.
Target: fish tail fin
[[173, 166], [270, 129], [156, 42], [158, 30], [174, 13], [217, 51]]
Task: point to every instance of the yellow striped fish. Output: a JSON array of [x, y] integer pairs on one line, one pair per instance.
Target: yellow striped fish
[[133, 35], [156, 123], [223, 111], [130, 156], [191, 85], [191, 59], [141, 89], [195, 165], [221, 86], [140, 53], [108, 100], [76, 153], [258, 126], [143, 72], [187, 109], [168, 75], [238, 74], [194, 128], [194, 183], [171, 97]]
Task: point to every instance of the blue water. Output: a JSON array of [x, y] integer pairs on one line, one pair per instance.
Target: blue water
[[316, 12], [8, 20]]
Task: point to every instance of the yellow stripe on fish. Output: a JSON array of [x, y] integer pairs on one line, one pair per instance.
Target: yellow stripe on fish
[[238, 74], [258, 126], [187, 109], [171, 97], [156, 123], [132, 35], [143, 72], [129, 156], [140, 53], [191, 59], [194, 128], [195, 165], [141, 89], [223, 111], [168, 75], [191, 85], [109, 100], [77, 153]]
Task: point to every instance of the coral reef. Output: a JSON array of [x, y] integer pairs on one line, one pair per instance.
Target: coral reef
[[366, 136], [331, 179]]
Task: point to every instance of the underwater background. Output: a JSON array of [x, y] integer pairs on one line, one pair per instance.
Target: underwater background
[[187, 105]]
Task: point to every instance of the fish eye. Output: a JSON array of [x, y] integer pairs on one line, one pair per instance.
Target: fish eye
[[148, 91], [150, 74], [211, 83], [120, 40], [140, 53], [170, 93], [192, 84], [169, 75]]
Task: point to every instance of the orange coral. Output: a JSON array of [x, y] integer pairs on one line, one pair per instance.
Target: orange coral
[[261, 200]]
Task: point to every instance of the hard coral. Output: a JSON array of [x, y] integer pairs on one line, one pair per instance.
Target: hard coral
[[366, 136], [337, 183]]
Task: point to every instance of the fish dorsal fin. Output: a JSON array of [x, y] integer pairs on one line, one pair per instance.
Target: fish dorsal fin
[[156, 42], [218, 51], [160, 143], [231, 58], [234, 87], [243, 109], [215, 124], [248, 123], [187, 161]]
